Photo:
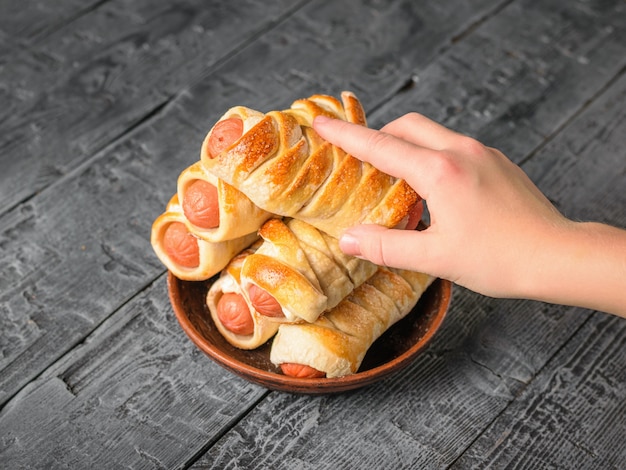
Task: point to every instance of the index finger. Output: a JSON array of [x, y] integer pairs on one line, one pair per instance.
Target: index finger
[[420, 130], [389, 154]]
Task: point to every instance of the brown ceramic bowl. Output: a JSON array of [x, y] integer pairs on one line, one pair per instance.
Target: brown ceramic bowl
[[393, 351]]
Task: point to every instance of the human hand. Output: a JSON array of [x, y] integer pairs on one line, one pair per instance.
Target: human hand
[[491, 229]]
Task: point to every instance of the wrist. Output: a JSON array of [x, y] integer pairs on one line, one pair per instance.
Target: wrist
[[582, 264]]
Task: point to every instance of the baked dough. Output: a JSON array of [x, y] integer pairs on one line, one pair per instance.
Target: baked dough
[[229, 281], [348, 109], [285, 168], [338, 341], [239, 216], [214, 256], [303, 269]]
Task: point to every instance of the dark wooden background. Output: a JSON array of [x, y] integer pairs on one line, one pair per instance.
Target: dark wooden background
[[103, 103]]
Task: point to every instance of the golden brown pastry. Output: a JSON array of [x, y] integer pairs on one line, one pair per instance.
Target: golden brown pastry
[[232, 313], [187, 256], [214, 210], [299, 272], [336, 343], [284, 167], [349, 109]]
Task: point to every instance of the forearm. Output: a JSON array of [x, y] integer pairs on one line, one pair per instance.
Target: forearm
[[583, 265]]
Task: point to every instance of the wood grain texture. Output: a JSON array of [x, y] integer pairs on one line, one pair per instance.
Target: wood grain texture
[[95, 77], [134, 394], [94, 370], [583, 170], [81, 250], [573, 415], [539, 64], [368, 47], [33, 19]]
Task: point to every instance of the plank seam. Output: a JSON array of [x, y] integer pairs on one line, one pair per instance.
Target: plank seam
[[219, 63], [40, 36], [476, 24], [412, 81], [96, 154], [215, 439], [524, 386], [172, 98], [76, 344], [550, 137]]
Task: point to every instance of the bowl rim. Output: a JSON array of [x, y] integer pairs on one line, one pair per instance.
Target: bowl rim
[[276, 381]]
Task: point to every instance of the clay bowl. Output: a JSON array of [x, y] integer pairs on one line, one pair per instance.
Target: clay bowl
[[393, 351]]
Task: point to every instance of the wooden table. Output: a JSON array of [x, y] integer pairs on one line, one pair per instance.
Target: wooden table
[[103, 103]]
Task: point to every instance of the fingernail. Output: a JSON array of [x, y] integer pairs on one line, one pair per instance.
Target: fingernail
[[321, 120], [349, 244]]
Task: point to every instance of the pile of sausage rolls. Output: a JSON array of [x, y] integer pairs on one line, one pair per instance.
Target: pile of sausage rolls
[[262, 211]]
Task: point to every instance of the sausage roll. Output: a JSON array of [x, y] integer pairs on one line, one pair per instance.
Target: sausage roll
[[336, 343], [187, 256], [284, 167], [213, 209], [232, 313], [299, 272]]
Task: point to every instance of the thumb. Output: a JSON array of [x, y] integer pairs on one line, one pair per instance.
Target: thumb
[[404, 249]]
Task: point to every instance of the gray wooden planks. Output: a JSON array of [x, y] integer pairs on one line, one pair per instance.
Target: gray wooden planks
[[370, 48], [584, 171], [81, 250], [112, 406], [95, 77], [135, 394], [520, 77], [572, 416], [33, 20]]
